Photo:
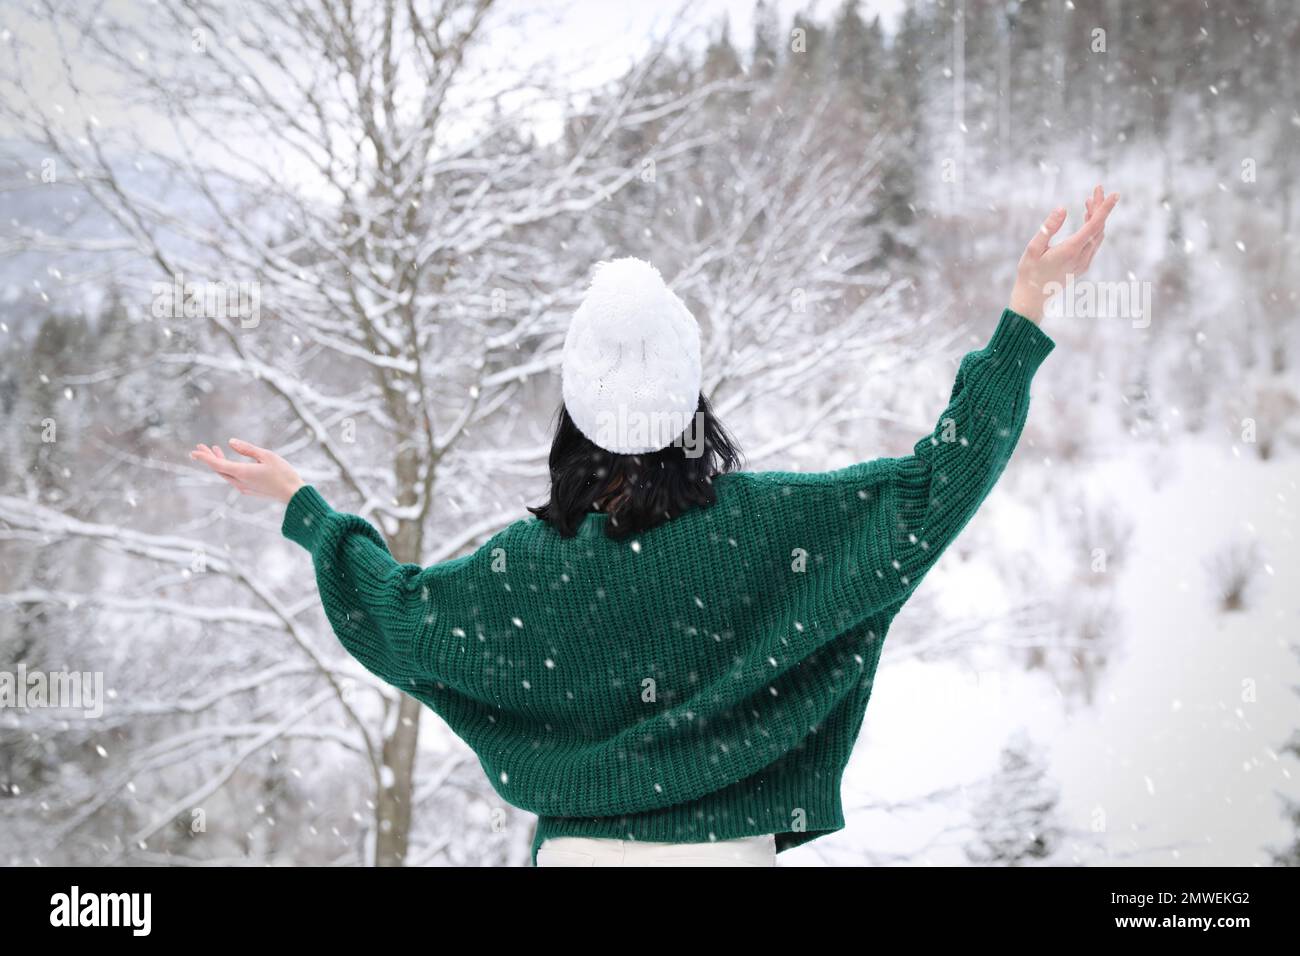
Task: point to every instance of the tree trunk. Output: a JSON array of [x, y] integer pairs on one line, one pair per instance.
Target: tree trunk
[[393, 809], [397, 791]]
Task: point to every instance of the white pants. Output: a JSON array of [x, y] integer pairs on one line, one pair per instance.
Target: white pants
[[600, 851]]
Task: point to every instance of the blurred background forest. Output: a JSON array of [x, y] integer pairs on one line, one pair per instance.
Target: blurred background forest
[[411, 197]]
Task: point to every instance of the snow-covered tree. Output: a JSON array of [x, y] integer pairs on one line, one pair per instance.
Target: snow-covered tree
[[1015, 818]]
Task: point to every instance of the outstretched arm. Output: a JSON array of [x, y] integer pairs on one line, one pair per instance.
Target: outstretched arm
[[939, 487], [379, 608]]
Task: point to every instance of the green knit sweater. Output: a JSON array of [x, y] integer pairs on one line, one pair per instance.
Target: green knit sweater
[[705, 681]]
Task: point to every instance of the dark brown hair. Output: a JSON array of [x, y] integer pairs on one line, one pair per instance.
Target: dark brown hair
[[638, 492]]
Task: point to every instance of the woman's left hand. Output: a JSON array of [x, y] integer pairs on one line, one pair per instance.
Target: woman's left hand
[[266, 476]]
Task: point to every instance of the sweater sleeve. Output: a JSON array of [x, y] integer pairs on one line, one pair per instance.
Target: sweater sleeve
[[379, 608], [938, 488]]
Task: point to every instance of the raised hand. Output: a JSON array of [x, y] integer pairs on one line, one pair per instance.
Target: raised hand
[[1043, 267], [266, 476]]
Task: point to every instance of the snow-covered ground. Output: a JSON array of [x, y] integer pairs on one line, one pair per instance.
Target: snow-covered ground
[[1176, 761]]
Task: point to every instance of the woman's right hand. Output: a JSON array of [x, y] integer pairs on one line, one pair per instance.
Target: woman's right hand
[[1043, 268]]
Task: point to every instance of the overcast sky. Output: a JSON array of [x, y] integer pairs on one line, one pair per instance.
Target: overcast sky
[[582, 43]]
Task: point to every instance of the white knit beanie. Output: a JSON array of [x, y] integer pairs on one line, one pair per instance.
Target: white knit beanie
[[631, 368]]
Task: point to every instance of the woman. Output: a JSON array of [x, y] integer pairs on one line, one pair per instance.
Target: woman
[[670, 660]]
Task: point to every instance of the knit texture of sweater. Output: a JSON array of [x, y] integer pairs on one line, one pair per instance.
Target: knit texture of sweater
[[705, 680]]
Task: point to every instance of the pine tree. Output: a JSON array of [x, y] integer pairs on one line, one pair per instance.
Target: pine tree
[[1015, 820], [1289, 855]]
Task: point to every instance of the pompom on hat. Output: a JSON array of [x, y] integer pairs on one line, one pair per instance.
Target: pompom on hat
[[631, 365]]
